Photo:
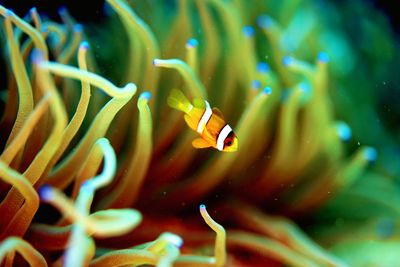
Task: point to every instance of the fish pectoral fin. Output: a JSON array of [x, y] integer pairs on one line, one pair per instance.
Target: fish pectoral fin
[[200, 143], [209, 134], [218, 112]]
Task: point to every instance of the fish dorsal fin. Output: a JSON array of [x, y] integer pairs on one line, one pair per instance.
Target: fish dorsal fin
[[218, 112], [199, 103], [200, 143]]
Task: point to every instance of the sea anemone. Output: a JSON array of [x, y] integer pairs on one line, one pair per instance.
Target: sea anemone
[[97, 170]]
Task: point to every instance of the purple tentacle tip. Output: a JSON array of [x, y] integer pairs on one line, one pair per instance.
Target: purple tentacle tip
[[45, 192], [36, 56]]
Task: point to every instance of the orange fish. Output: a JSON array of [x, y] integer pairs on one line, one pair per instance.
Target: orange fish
[[209, 123]]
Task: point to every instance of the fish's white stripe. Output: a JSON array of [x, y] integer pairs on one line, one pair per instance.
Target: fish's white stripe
[[222, 136], [204, 119]]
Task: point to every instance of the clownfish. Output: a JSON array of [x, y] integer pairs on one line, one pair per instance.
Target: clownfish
[[207, 121]]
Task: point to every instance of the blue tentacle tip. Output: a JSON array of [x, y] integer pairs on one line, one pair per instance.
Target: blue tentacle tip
[[146, 95], [264, 21], [87, 186], [191, 43], [267, 90], [248, 31], [78, 27], [344, 131], [45, 28], [287, 60], [255, 84], [262, 67], [370, 154], [385, 228], [305, 87], [323, 57], [85, 45]]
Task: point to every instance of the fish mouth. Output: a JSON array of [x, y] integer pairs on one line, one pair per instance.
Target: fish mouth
[[231, 148]]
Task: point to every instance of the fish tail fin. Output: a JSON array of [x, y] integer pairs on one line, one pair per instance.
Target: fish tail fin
[[178, 100]]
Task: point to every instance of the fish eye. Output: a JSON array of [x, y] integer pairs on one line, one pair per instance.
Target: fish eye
[[229, 139], [228, 142]]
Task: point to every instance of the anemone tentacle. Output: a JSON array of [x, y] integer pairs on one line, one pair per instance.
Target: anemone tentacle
[[97, 170]]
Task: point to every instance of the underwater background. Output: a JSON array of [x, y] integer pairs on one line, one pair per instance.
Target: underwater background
[[97, 170]]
